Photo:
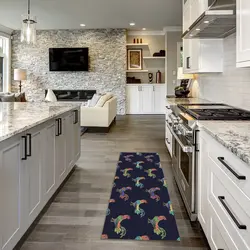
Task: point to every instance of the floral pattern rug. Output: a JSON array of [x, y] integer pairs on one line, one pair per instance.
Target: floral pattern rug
[[139, 206]]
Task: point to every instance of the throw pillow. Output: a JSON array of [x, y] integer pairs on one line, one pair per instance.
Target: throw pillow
[[94, 100], [8, 98], [104, 99]]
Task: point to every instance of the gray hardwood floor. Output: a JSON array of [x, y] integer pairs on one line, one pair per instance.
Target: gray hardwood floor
[[75, 218]]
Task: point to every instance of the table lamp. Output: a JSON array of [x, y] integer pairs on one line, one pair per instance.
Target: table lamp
[[20, 75]]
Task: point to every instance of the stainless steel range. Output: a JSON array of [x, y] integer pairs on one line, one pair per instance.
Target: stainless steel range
[[182, 123]]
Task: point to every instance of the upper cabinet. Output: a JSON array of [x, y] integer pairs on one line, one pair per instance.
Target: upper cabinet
[[243, 33], [202, 56], [192, 10]]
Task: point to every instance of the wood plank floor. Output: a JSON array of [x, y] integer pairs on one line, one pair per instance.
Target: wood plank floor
[[75, 219]]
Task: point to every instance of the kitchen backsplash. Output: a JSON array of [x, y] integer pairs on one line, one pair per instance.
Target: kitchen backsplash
[[107, 69], [232, 86]]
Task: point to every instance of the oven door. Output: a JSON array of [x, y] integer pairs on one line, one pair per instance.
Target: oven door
[[183, 168]]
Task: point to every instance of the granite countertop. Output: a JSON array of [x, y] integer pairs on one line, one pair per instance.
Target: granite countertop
[[234, 135], [175, 101], [18, 117]]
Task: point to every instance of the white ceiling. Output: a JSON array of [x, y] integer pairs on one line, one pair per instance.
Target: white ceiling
[[68, 14]]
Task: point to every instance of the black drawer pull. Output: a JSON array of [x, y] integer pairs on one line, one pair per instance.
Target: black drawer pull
[[222, 198], [58, 129], [76, 116], [240, 177], [30, 141], [60, 125], [25, 148]]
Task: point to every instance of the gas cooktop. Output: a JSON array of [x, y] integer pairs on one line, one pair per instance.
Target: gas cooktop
[[214, 111]]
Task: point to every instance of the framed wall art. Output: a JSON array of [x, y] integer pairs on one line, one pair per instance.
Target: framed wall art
[[135, 61]]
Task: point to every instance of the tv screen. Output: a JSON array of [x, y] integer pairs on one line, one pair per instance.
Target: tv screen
[[69, 59]]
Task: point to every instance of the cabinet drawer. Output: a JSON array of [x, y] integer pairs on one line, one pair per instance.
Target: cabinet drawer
[[233, 214], [233, 168], [218, 236]]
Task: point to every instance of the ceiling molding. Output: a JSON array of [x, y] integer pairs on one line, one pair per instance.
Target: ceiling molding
[[172, 29], [5, 31], [146, 33]]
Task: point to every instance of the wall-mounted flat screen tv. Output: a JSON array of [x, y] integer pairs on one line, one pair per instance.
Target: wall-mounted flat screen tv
[[69, 59]]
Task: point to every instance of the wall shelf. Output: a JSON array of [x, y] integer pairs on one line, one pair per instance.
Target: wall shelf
[[154, 57], [137, 44], [137, 71]]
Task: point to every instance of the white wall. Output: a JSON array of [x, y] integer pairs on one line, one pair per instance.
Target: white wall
[[232, 86]]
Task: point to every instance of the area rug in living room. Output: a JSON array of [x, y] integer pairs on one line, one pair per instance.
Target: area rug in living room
[[139, 206]]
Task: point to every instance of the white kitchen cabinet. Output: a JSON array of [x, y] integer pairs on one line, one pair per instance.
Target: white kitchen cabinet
[[243, 33], [202, 56], [133, 99], [60, 142], [146, 99], [223, 196], [12, 190], [77, 135], [70, 143], [49, 169], [32, 168], [203, 180], [186, 16], [159, 97]]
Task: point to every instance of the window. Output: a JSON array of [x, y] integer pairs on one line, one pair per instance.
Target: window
[[4, 63]]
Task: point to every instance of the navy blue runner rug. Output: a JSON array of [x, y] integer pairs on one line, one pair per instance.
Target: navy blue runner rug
[[139, 206]]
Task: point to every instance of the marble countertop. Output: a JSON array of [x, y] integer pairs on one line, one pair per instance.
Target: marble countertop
[[175, 101], [234, 135], [18, 117]]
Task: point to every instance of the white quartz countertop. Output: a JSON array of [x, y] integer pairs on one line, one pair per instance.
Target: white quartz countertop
[[234, 135], [18, 117], [175, 101]]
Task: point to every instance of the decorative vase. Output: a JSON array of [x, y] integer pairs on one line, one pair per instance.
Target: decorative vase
[[50, 97]]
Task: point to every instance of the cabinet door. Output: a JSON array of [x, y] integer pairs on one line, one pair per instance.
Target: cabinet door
[[146, 100], [77, 135], [243, 33], [69, 142], [132, 100], [186, 55], [49, 179], [11, 188], [159, 99], [195, 55], [60, 150], [33, 190], [186, 16], [203, 184]]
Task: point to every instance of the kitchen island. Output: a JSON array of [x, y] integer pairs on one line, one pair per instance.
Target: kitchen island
[[39, 146]]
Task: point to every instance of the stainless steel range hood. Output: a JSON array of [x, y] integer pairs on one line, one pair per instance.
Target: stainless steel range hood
[[218, 21]]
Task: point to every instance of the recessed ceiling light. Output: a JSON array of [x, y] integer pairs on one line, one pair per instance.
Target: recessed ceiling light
[[206, 21], [132, 24], [198, 29], [191, 35], [143, 28], [82, 25]]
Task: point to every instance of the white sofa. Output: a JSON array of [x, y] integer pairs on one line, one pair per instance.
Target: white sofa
[[101, 117]]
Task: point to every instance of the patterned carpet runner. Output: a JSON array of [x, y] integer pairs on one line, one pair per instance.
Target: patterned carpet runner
[[139, 206]]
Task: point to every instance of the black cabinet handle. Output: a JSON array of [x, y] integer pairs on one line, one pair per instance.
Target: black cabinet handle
[[30, 141], [222, 198], [76, 116], [188, 62], [240, 177], [58, 127], [167, 141], [25, 148]]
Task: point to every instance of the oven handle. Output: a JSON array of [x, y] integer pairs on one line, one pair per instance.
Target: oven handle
[[186, 149]]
